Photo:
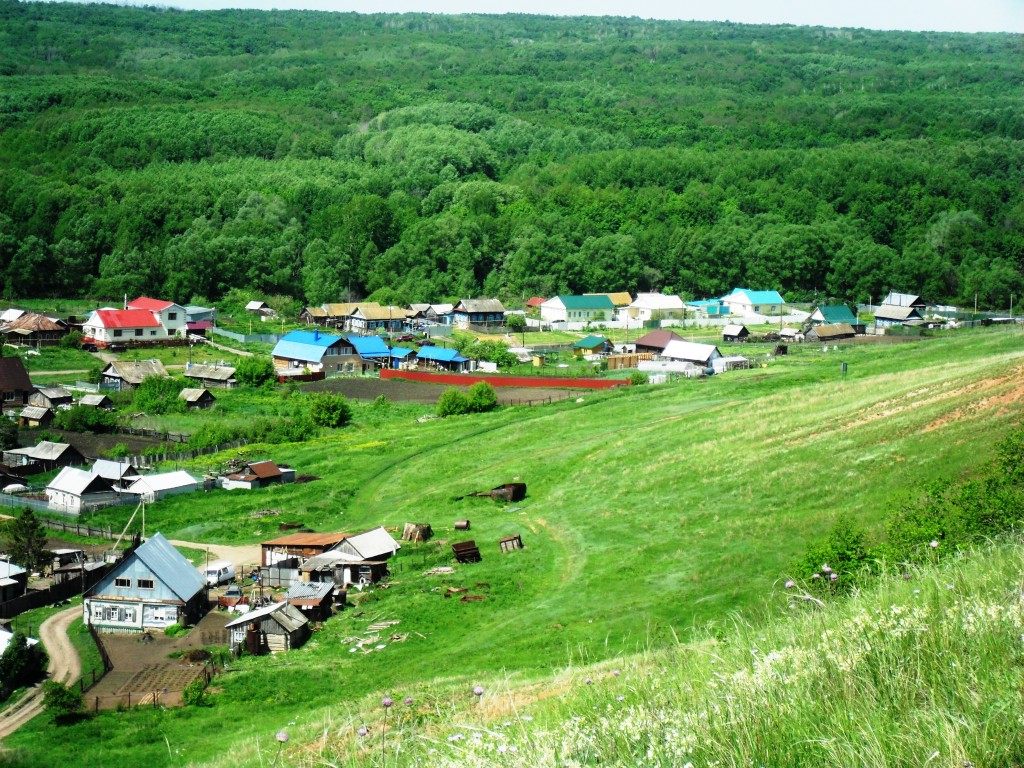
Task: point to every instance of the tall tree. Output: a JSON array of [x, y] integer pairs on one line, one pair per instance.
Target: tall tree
[[25, 541]]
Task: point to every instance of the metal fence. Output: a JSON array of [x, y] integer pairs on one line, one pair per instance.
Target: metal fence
[[245, 338]]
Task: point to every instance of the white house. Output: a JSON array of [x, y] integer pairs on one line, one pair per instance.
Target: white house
[[170, 315], [577, 309], [645, 305], [120, 326], [156, 487], [743, 301], [76, 490], [691, 352]]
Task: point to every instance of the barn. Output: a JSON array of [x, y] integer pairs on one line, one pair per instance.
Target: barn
[[273, 629]]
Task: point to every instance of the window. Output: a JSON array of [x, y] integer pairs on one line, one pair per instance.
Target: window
[[122, 582], [757, 309], [152, 333], [172, 315], [138, 331], [145, 584], [9, 395], [117, 333]]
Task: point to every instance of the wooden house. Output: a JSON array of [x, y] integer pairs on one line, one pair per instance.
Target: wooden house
[[831, 332], [15, 386], [300, 545], [656, 341], [74, 491], [313, 316], [128, 374], [51, 397], [889, 315], [591, 345], [478, 312], [314, 599], [734, 333], [97, 401], [258, 474], [35, 416], [369, 319], [273, 629], [152, 588], [44, 456], [313, 351], [35, 330], [212, 376], [197, 398]]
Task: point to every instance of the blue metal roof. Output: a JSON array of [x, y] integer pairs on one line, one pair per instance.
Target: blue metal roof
[[401, 352], [441, 354], [305, 345], [369, 346], [759, 297], [170, 566]]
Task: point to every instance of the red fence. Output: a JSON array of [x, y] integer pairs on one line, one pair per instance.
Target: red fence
[[465, 379]]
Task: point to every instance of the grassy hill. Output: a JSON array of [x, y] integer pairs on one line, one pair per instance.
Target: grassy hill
[[655, 517]]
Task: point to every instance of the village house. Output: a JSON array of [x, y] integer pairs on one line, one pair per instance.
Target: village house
[[619, 299], [74, 491], [298, 545], [830, 332], [314, 599], [35, 416], [743, 301], [121, 375], [591, 345], [443, 358], [577, 309], [51, 397], [691, 352], [15, 386], [370, 319], [359, 559], [889, 315], [44, 456], [313, 316], [703, 308], [260, 308], [122, 326], [314, 351], [273, 629], [533, 304], [120, 474], [831, 314], [337, 314], [35, 330], [655, 341], [170, 315], [197, 398], [210, 376], [483, 312], [153, 587], [653, 306], [13, 581], [197, 314], [258, 474], [429, 313], [373, 351], [894, 299], [163, 484]]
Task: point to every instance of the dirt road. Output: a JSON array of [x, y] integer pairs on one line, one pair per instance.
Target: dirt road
[[249, 554], [64, 667]]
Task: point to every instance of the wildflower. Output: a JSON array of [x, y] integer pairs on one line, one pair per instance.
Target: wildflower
[[816, 576], [620, 697], [588, 681], [825, 568], [834, 576], [615, 673], [478, 690], [386, 702], [363, 730], [906, 575], [456, 737], [282, 737], [790, 584], [408, 701], [934, 544]]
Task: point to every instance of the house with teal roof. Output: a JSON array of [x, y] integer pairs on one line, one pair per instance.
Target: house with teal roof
[[595, 308], [832, 314], [591, 345], [743, 301]]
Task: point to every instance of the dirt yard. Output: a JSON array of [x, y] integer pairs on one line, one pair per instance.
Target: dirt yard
[[416, 392]]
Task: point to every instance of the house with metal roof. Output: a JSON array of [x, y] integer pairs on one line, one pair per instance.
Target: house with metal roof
[[362, 558], [197, 398], [889, 315], [35, 329], [171, 316], [273, 629], [13, 580], [44, 456], [163, 484], [830, 314], [648, 306], [374, 544], [120, 375], [830, 332], [122, 326], [691, 352], [15, 386], [210, 376], [97, 401], [197, 314], [591, 345], [707, 308], [152, 588], [258, 474], [619, 299], [373, 318], [443, 358], [314, 599], [35, 416], [260, 308], [120, 474], [577, 309], [74, 491], [316, 352], [484, 312], [299, 545], [655, 341], [894, 299], [743, 301], [51, 397]]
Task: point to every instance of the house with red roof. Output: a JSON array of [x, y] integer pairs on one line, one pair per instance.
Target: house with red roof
[[121, 326], [171, 316]]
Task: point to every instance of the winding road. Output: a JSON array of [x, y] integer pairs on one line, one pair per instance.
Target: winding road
[[64, 667]]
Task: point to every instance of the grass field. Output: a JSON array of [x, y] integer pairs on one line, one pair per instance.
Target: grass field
[[653, 514]]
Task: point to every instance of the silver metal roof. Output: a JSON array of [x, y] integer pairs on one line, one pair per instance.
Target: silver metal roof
[[171, 567], [288, 616], [77, 482]]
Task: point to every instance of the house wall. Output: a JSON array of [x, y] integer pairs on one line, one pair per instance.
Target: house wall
[[70, 502], [134, 608], [122, 335]]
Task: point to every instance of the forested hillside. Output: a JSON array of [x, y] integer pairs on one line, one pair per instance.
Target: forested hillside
[[420, 157]]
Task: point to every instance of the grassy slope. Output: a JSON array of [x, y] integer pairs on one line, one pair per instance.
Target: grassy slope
[[649, 512]]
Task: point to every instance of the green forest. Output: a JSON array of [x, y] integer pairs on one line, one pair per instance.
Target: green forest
[[328, 156]]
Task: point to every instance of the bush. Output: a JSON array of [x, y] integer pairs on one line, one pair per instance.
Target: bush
[[638, 378], [8, 433], [61, 701], [194, 694], [72, 340], [844, 553], [329, 410], [452, 403], [255, 371], [156, 395], [20, 664], [84, 419], [482, 397]]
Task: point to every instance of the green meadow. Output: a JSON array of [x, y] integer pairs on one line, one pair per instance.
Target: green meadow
[[655, 516]]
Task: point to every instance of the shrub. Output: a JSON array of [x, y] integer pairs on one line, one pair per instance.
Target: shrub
[[20, 664], [194, 694], [61, 701], [482, 397], [84, 419], [156, 395], [8, 433], [255, 371], [329, 410], [844, 553], [638, 378], [72, 340], [452, 402], [118, 451]]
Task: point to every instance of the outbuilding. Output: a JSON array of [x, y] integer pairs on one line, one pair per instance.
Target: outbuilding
[[272, 629], [159, 486], [35, 416], [74, 491], [735, 333], [197, 399], [691, 352]]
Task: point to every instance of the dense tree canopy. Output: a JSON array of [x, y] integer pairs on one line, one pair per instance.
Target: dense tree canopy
[[328, 156]]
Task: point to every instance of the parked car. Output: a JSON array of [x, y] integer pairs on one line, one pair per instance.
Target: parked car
[[232, 598], [90, 348], [405, 337]]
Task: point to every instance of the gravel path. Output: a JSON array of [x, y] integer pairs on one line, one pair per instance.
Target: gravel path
[[64, 667], [247, 554]]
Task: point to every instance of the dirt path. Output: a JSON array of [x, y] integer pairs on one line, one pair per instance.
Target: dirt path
[[64, 667], [247, 554], [233, 351]]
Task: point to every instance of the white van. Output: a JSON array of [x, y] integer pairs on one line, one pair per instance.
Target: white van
[[219, 572]]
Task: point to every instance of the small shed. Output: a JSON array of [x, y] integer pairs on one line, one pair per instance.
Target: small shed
[[591, 345], [466, 552], [417, 532], [273, 629], [222, 376], [832, 332], [258, 474], [51, 397], [35, 416], [735, 333], [314, 599], [97, 401], [158, 486], [197, 398]]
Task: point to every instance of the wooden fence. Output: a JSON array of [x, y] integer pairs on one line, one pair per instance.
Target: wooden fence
[[148, 458], [38, 598], [80, 530]]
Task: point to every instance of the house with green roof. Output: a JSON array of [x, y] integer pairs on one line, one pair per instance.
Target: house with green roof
[[743, 301], [578, 309], [591, 345], [832, 314]]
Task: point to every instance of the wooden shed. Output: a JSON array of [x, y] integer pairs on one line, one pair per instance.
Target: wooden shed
[[313, 599], [195, 397], [273, 629], [734, 332], [301, 545]]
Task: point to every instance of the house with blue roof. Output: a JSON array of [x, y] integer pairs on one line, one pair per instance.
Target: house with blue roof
[[373, 350], [317, 352], [743, 301], [152, 588], [444, 359]]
